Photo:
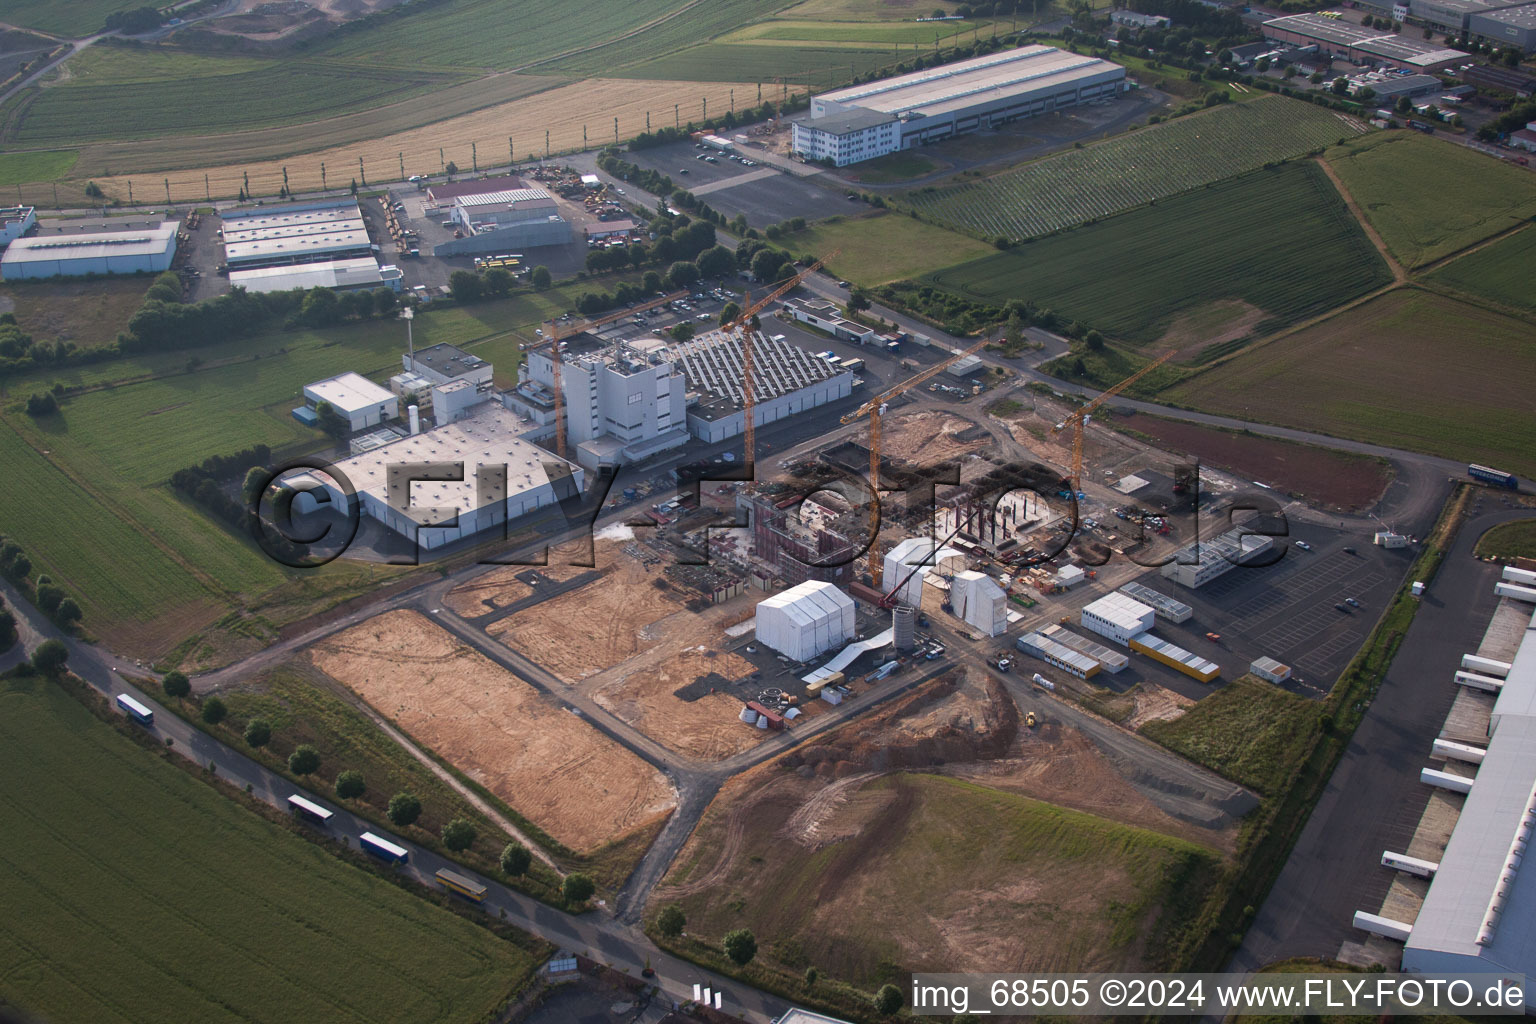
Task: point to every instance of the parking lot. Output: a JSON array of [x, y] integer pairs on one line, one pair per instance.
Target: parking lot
[[762, 198]]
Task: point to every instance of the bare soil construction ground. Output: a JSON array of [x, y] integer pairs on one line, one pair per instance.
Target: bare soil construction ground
[[642, 692], [926, 436], [1327, 477], [501, 587], [868, 851], [1211, 324], [573, 782]]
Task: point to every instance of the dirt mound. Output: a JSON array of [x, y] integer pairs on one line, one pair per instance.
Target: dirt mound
[[952, 719]]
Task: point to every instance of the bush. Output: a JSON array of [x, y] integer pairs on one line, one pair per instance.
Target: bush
[[50, 657], [540, 278], [404, 809], [48, 596], [577, 889], [214, 711], [175, 684], [305, 760], [458, 835], [671, 921], [741, 946], [68, 613], [43, 404], [888, 1000], [515, 860], [258, 732], [350, 785]]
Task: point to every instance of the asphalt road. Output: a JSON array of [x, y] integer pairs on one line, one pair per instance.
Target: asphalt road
[[1374, 799]]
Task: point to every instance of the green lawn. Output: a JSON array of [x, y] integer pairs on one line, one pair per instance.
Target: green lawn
[[1429, 198], [1029, 883], [44, 165], [1250, 731], [135, 892], [159, 569], [923, 33], [1500, 271], [893, 167], [883, 247], [1509, 540], [1280, 241], [1410, 369], [1151, 163]]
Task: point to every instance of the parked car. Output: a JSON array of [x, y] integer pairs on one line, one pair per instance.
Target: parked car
[[1352, 602], [1304, 545]]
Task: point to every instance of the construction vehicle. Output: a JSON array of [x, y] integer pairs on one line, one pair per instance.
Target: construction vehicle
[[875, 407], [1030, 720], [1081, 416], [748, 318], [557, 332], [1004, 664]]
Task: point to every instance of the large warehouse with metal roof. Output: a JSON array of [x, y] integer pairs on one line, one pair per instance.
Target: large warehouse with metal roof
[[133, 251], [862, 122]]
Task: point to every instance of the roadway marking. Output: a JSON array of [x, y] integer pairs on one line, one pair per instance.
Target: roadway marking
[[740, 179]]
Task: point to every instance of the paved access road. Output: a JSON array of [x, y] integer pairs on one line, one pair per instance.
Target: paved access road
[[599, 936], [1374, 799]]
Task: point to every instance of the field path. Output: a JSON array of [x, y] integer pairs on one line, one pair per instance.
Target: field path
[[1399, 275], [1430, 268]]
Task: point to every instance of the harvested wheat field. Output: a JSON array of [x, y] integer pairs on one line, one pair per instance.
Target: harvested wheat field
[[927, 436], [865, 855], [576, 116], [641, 692], [571, 781], [501, 587]]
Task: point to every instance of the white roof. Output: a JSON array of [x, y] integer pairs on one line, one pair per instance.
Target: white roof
[[93, 244], [353, 273], [798, 1016], [964, 83], [348, 392], [487, 436], [506, 198], [1122, 610], [305, 229], [812, 593]]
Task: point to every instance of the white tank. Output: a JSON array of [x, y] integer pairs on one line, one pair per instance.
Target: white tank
[[415, 415], [904, 622], [762, 723], [748, 715]]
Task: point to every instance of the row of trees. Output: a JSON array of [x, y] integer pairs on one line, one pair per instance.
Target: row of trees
[[51, 599]]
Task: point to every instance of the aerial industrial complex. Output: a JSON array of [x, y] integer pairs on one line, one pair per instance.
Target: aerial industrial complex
[[847, 126], [303, 245]]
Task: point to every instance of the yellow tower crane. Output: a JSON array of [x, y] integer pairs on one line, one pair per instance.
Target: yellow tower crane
[[1080, 417]]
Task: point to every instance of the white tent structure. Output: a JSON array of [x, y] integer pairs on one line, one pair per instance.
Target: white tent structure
[[806, 620], [979, 602], [918, 552]]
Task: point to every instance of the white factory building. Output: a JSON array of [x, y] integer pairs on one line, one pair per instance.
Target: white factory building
[[1480, 912], [979, 602], [508, 221], [360, 400], [862, 122], [806, 620], [787, 379], [1200, 561], [504, 477], [142, 250], [911, 560], [1118, 617], [623, 402], [440, 364], [323, 244]]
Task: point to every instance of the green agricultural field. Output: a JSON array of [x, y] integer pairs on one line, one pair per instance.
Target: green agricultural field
[[1509, 540], [45, 165], [820, 67], [700, 24], [121, 102], [1410, 369], [884, 247], [1429, 198], [136, 892], [1500, 271], [1250, 731], [1277, 246], [1127, 171], [68, 20], [1037, 888], [922, 33]]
